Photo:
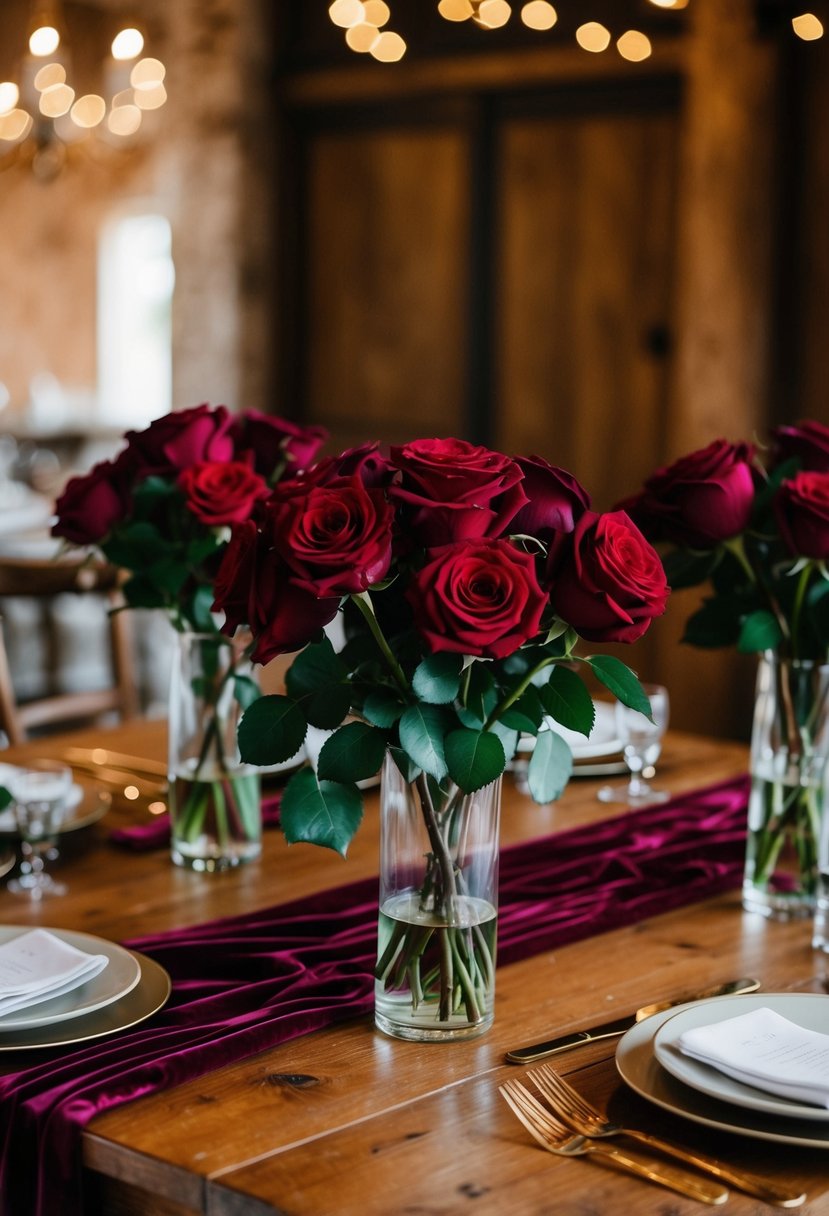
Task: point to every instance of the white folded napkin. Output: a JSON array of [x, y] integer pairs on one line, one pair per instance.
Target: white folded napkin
[[38, 966], [767, 1051]]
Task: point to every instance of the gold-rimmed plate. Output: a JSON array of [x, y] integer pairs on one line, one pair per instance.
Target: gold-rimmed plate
[[150, 994]]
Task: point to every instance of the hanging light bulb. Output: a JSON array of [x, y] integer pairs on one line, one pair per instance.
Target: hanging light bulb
[[127, 44], [44, 40]]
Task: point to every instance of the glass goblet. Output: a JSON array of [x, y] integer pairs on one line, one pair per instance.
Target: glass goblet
[[40, 792], [641, 745]]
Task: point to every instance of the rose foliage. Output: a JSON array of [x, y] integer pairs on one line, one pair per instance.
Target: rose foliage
[[464, 579], [756, 529]]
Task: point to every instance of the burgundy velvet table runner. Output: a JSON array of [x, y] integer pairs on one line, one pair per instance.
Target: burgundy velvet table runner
[[247, 983]]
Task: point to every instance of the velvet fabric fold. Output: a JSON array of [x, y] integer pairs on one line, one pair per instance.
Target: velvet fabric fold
[[247, 983]]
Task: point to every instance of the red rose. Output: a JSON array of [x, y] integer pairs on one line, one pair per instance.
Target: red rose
[[801, 507], [611, 583], [366, 461], [454, 490], [91, 506], [700, 500], [182, 438], [556, 501], [254, 588], [222, 493], [479, 598], [808, 441], [276, 441], [335, 538]]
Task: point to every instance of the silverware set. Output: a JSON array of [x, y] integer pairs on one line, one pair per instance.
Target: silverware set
[[566, 1124]]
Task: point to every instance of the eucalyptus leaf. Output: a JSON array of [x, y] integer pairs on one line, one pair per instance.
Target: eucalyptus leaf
[[474, 758], [550, 767], [353, 753], [272, 729], [320, 812]]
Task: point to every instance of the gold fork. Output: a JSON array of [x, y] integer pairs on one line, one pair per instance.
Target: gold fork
[[557, 1138], [577, 1112]]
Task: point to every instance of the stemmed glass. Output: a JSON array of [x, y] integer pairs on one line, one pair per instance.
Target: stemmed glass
[[642, 743], [40, 792]]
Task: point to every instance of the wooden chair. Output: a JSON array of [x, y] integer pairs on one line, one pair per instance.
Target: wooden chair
[[44, 579]]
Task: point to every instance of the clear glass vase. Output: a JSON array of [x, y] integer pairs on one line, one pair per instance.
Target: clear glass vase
[[789, 749], [435, 974], [215, 813]]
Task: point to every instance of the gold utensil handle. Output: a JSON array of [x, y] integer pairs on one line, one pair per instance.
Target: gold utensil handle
[[748, 1183], [665, 1175]]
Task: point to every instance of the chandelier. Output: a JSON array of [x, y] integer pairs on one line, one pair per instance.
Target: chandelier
[[44, 116], [367, 30]]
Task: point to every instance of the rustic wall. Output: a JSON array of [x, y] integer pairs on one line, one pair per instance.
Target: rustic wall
[[206, 169]]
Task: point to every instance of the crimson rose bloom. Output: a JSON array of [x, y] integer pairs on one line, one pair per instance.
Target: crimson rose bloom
[[274, 441], [455, 490], [808, 441], [366, 461], [222, 492], [184, 437], [801, 507], [700, 500], [91, 506], [477, 597], [335, 538], [254, 588], [611, 583]]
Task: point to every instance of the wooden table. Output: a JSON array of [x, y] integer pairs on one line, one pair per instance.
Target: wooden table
[[350, 1121]]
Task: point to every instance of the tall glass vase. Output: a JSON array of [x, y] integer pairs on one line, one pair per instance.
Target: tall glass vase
[[215, 814], [435, 974], [789, 749]]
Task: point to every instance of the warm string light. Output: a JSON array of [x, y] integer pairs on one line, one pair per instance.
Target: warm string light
[[808, 27], [42, 103]]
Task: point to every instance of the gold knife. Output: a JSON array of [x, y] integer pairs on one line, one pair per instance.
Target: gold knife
[[618, 1027]]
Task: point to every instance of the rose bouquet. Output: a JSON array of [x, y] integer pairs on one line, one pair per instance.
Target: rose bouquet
[[162, 510], [465, 580], [755, 528]]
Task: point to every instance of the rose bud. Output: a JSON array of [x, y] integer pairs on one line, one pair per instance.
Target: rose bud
[[91, 506], [275, 442], [807, 441], [801, 507]]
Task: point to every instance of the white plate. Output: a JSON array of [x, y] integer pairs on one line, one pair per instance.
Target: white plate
[[602, 741], [145, 999], [87, 805], [640, 1069], [119, 977], [809, 1010]]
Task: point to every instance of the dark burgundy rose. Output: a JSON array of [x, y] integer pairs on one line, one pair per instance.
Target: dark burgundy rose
[[276, 442], [92, 505], [477, 597], [453, 490], [254, 588], [807, 441], [335, 538], [366, 461], [700, 500], [556, 501], [801, 507], [222, 492], [610, 584], [182, 438]]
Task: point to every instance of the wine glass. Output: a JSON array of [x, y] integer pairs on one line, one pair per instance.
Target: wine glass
[[40, 792], [641, 743]]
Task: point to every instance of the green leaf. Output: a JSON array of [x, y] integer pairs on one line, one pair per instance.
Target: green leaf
[[383, 707], [200, 609], [422, 728], [408, 769], [139, 592], [474, 758], [437, 679], [684, 568], [136, 546], [316, 680], [566, 698], [550, 767], [509, 738], [715, 624], [272, 729], [320, 812], [759, 631], [481, 695], [621, 681], [246, 691], [526, 714], [5, 798], [353, 753]]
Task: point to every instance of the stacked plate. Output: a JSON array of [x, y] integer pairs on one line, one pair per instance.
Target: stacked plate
[[651, 1063], [599, 755], [129, 989]]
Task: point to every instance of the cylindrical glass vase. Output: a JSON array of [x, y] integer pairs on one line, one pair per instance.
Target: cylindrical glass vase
[[789, 749], [215, 813], [435, 975]]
